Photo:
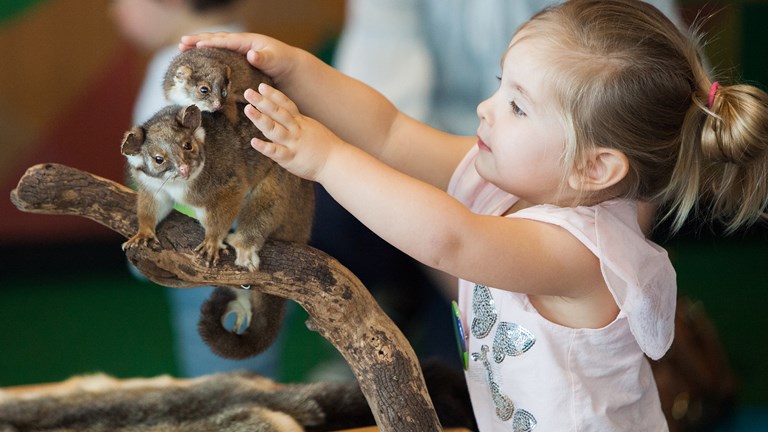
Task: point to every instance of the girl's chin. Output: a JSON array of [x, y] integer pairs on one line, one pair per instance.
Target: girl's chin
[[480, 163]]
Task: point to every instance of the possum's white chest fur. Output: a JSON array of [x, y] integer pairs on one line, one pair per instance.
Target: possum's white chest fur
[[167, 193], [180, 96], [173, 189]]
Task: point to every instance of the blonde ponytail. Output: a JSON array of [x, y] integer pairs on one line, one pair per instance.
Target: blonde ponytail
[[734, 144]]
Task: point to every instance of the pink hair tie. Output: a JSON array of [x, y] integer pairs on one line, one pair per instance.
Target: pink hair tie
[[712, 92]]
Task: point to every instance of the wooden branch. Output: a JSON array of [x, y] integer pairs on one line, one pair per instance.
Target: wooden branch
[[340, 308]]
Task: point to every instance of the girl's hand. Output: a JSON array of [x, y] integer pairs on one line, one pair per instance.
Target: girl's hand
[[271, 56], [299, 144]]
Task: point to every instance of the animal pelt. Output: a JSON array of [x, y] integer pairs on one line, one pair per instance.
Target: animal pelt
[[231, 402], [228, 402]]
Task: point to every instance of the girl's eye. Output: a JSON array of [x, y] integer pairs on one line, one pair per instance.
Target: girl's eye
[[159, 160], [516, 109], [187, 146], [204, 89]]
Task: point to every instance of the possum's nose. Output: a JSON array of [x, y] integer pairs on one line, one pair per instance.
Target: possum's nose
[[184, 170]]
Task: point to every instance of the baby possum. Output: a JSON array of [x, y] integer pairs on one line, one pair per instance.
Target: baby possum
[[202, 160], [213, 79]]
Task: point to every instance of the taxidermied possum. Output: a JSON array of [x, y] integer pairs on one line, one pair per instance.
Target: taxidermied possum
[[202, 160], [226, 402], [222, 402]]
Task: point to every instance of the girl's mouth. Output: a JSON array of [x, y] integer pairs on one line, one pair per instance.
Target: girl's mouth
[[481, 145]]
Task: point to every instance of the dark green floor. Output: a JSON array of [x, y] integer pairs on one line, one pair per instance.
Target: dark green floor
[[75, 309], [64, 311], [56, 327]]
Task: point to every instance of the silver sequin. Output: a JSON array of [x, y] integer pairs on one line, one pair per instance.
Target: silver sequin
[[504, 405], [511, 340], [523, 421], [484, 310]]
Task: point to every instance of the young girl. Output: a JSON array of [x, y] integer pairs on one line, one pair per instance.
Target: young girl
[[600, 104]]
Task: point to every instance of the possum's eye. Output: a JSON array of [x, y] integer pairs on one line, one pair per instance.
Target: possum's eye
[[204, 89], [159, 160], [224, 93], [187, 146]]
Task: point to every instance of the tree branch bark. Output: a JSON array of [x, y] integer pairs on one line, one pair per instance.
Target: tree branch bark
[[340, 308]]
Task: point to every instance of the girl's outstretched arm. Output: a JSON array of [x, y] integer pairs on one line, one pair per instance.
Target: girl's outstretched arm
[[355, 112], [417, 218]]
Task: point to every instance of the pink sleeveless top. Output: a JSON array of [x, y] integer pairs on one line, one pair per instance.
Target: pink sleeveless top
[[526, 372]]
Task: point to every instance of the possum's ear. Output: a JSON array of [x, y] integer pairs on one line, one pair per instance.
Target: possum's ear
[[182, 73], [190, 117], [132, 142]]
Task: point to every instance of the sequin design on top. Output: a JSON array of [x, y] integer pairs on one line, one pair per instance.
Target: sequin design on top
[[510, 339], [484, 310]]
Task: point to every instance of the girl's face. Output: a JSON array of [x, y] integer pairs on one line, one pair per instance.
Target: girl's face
[[521, 138]]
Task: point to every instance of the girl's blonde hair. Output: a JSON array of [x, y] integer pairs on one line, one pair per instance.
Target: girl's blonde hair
[[627, 78]]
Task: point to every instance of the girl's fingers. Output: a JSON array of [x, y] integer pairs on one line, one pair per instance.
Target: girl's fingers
[[258, 49], [239, 42], [264, 147], [188, 42], [269, 102], [258, 59], [263, 58], [269, 127], [274, 151], [252, 96], [278, 97]]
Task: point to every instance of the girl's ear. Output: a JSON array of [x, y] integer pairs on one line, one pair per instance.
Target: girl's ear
[[604, 168]]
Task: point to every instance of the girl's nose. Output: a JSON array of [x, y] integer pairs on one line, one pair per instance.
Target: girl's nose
[[483, 113]]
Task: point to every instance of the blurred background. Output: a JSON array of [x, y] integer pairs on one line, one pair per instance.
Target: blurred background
[[68, 304], [69, 79]]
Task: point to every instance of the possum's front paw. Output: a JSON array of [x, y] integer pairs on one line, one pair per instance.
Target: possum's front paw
[[141, 238], [210, 249]]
